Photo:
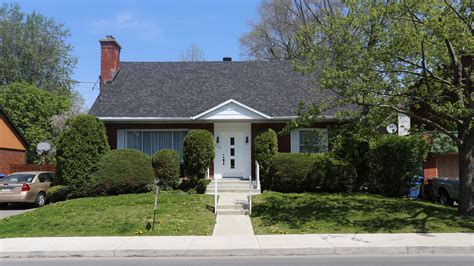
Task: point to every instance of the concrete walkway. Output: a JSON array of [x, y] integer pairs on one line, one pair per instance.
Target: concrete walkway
[[232, 218], [238, 245]]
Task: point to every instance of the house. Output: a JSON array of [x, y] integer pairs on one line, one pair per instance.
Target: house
[[150, 106], [443, 156], [13, 144]]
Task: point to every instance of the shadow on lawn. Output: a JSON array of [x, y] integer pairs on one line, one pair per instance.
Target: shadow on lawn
[[361, 212]]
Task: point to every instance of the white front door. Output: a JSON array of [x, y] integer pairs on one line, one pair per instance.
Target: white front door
[[232, 157], [232, 154]]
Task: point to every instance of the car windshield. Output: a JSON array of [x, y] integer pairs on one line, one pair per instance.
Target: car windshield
[[19, 178]]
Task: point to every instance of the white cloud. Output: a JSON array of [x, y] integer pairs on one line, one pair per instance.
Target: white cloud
[[126, 23]]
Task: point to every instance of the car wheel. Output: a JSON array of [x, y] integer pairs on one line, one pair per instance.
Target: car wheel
[[445, 199], [40, 199]]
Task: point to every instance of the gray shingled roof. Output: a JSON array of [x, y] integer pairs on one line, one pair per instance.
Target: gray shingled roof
[[185, 89]]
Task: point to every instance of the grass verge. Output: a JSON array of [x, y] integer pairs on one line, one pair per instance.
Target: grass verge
[[306, 213], [125, 215]]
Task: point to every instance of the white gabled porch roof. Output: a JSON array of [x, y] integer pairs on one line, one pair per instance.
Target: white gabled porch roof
[[231, 110]]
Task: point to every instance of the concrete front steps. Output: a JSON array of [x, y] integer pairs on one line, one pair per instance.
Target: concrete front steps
[[232, 204], [231, 185], [233, 209]]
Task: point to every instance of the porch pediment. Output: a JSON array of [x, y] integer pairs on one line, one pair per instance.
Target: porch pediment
[[231, 110]]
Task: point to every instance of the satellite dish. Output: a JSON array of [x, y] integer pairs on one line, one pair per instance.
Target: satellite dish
[[43, 147], [391, 128]]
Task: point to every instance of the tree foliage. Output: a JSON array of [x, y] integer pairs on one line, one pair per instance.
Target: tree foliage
[[266, 147], [394, 160], [31, 108], [80, 148], [409, 57], [34, 49], [166, 165], [198, 152]]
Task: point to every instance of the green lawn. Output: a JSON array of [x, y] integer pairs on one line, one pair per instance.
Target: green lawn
[[125, 215], [279, 213]]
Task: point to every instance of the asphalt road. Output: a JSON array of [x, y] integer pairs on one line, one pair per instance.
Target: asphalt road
[[433, 260], [14, 209]]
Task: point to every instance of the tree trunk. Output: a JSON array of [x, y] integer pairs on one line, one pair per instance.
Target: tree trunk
[[466, 174]]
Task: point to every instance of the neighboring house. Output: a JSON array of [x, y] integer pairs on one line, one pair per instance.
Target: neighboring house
[[443, 157], [13, 144], [150, 106]]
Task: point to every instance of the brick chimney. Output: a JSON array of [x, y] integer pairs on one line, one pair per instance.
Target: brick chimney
[[109, 59]]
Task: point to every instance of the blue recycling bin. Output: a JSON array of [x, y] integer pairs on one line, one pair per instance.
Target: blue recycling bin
[[414, 191]]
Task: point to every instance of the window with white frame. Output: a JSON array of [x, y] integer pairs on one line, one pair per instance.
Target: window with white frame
[[151, 141], [310, 140]]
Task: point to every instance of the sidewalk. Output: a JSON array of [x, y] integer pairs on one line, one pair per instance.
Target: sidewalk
[[231, 216], [238, 245]]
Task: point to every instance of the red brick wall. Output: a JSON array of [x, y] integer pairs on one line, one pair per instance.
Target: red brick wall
[[8, 157], [429, 167]]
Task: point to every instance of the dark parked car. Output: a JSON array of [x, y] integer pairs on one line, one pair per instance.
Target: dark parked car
[[445, 190]]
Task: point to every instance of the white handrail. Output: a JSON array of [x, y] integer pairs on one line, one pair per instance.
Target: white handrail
[[208, 176], [250, 195], [215, 195], [257, 174]]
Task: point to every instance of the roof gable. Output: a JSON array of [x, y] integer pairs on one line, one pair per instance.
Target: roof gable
[[11, 135], [231, 110]]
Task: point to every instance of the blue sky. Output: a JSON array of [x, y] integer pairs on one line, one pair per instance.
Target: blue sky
[[159, 30]]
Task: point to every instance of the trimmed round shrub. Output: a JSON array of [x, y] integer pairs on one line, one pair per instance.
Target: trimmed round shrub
[[80, 147], [57, 193], [201, 185], [121, 172], [266, 146], [356, 151], [394, 161], [166, 165], [298, 172], [198, 152]]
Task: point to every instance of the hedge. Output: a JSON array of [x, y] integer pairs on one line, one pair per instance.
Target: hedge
[[198, 152], [394, 161], [80, 147], [57, 193], [166, 165], [121, 172], [266, 146], [356, 151], [297, 172]]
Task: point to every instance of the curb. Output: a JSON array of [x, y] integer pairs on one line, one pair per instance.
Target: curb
[[239, 245]]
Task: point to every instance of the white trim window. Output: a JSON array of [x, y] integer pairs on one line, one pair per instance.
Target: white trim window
[[151, 141], [309, 140]]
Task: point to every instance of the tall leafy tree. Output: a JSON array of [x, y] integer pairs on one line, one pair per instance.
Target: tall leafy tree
[[34, 49], [409, 57], [32, 108]]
